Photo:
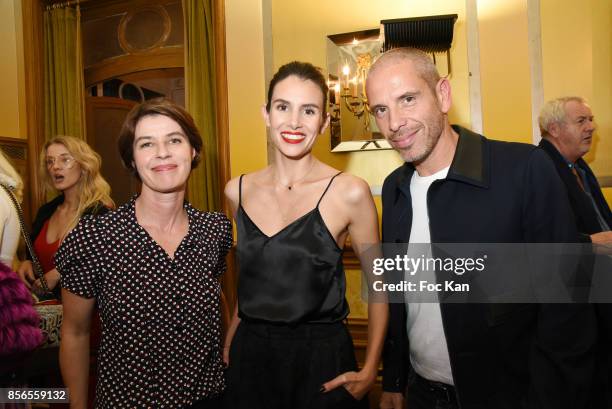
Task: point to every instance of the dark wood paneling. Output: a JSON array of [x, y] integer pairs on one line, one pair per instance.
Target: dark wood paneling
[[168, 57], [92, 10], [105, 116]]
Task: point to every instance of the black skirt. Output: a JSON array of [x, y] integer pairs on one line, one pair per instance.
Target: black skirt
[[284, 367]]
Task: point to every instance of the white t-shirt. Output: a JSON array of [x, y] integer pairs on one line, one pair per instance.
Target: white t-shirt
[[428, 349]]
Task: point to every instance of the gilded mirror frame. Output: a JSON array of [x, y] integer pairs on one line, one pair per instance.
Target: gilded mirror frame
[[352, 126]]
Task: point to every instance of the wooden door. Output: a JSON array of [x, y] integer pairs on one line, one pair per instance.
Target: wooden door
[[105, 115]]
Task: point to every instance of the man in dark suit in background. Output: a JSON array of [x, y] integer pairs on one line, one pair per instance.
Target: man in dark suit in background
[[460, 187], [567, 127]]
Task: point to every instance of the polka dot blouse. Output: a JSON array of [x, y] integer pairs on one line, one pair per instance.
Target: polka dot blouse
[[161, 324]]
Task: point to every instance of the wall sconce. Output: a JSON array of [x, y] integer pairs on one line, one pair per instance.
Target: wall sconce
[[349, 57], [353, 87]]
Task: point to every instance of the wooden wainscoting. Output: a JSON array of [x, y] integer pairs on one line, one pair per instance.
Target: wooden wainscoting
[[349, 258]]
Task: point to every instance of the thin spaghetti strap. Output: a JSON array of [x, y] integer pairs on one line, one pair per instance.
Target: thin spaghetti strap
[[240, 190], [327, 188]]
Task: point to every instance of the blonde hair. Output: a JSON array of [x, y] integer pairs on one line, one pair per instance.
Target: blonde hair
[[553, 112], [93, 189], [9, 176]]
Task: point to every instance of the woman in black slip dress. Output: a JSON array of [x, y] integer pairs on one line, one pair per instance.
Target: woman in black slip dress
[[290, 348]]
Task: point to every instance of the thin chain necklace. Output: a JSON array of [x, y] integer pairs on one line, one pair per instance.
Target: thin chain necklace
[[292, 184]]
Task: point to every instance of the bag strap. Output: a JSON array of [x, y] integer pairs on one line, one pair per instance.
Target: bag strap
[[26, 237]]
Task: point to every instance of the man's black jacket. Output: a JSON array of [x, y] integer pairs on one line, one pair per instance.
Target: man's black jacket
[[502, 355], [582, 206]]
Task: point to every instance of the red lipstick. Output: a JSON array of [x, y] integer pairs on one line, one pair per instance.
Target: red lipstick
[[293, 137]]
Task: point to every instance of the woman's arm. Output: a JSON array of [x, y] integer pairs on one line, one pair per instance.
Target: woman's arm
[[26, 273], [363, 231], [52, 277], [74, 346], [232, 196], [229, 336]]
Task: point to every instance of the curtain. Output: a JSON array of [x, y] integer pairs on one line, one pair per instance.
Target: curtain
[[203, 189], [63, 74]]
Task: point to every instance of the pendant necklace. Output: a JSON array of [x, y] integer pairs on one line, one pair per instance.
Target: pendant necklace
[[292, 184]]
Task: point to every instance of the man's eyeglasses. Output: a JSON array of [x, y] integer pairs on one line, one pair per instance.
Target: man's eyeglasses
[[63, 162]]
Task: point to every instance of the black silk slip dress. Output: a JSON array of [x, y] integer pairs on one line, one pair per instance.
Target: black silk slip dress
[[291, 298], [295, 276]]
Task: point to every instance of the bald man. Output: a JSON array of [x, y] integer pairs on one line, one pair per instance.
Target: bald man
[[459, 187]]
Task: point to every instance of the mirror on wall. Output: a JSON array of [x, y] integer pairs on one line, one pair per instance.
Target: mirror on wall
[[352, 126], [349, 57]]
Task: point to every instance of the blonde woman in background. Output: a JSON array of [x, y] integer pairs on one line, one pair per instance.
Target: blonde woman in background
[[9, 219], [69, 166]]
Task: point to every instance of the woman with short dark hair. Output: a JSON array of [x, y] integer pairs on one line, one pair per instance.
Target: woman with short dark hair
[[153, 267]]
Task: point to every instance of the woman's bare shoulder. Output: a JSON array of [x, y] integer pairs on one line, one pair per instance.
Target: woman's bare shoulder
[[352, 189], [232, 188]]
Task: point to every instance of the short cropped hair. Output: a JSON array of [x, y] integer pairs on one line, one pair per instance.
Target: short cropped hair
[[158, 106], [304, 71], [553, 112], [425, 67]]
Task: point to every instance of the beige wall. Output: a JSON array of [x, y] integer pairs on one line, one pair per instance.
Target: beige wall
[[577, 60], [12, 85], [246, 85], [504, 68], [299, 31]]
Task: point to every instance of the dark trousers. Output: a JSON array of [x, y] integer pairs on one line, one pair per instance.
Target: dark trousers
[[284, 367], [425, 394]]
